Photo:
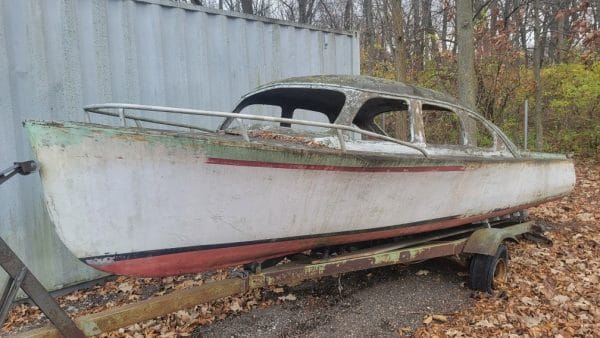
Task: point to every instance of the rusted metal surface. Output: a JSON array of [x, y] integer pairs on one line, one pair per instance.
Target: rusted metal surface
[[290, 273], [293, 273], [401, 244], [486, 241]]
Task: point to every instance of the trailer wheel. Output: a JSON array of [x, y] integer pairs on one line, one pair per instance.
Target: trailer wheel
[[489, 272]]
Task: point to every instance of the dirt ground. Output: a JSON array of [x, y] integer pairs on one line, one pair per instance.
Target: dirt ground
[[553, 291], [382, 302]]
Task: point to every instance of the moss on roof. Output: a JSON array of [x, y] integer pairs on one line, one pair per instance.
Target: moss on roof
[[368, 83]]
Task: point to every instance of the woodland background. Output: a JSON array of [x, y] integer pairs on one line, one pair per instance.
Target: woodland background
[[543, 51]]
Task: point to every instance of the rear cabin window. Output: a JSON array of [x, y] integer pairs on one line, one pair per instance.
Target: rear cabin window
[[317, 105], [385, 116], [441, 126]]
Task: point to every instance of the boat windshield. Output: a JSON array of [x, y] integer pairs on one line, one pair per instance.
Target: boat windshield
[[312, 104]]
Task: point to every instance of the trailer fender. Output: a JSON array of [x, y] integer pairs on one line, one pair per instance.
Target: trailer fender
[[486, 241]]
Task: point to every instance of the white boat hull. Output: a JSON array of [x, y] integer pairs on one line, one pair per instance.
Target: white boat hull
[[117, 195]]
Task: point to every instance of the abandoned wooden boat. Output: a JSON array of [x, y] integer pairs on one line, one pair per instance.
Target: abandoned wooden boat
[[346, 159]]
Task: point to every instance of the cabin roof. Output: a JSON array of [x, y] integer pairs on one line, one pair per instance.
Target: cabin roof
[[366, 83]]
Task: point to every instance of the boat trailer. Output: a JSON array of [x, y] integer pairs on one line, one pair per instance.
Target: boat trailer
[[482, 243]]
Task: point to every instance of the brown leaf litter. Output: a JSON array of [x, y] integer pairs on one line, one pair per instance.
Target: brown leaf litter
[[553, 291]]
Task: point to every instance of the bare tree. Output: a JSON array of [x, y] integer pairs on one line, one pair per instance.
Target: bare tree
[[348, 13], [306, 10], [537, 63], [369, 34], [399, 40], [247, 6], [417, 36], [429, 32], [467, 91]]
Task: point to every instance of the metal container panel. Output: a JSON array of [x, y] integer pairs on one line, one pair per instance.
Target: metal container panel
[[57, 56]]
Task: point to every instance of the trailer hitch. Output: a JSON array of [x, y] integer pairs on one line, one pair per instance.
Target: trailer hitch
[[23, 168]]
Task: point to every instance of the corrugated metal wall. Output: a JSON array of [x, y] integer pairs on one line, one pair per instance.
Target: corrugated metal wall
[[57, 56]]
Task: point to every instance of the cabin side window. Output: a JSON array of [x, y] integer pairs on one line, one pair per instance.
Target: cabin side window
[[386, 116], [308, 115], [312, 104], [441, 126], [480, 136], [261, 110], [395, 124], [484, 137]]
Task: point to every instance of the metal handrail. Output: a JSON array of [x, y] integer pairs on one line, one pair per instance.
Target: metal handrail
[[121, 107]]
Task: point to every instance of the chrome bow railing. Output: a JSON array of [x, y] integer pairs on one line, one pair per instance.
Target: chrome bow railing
[[120, 110]]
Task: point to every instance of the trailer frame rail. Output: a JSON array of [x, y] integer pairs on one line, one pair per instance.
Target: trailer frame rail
[[454, 243]]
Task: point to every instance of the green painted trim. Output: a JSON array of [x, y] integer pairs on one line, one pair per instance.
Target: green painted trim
[[233, 147]]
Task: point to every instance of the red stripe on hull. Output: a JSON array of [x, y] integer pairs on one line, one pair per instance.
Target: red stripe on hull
[[212, 259], [244, 163]]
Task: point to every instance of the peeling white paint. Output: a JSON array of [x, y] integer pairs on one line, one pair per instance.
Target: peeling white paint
[[139, 195]]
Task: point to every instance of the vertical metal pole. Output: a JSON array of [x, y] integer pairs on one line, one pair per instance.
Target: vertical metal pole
[[243, 130], [525, 124], [122, 116], [340, 136]]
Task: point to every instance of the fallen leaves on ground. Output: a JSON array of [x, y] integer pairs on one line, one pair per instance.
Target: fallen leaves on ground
[[123, 290], [553, 291]]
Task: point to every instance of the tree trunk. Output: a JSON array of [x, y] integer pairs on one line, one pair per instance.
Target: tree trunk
[[417, 36], [429, 31], [369, 35], [399, 41], [247, 6], [494, 11], [596, 11], [537, 63], [506, 13], [560, 32], [553, 39], [348, 11], [467, 90], [523, 33], [445, 8], [305, 11]]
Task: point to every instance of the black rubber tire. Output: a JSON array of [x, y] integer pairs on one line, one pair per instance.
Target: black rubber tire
[[483, 269]]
